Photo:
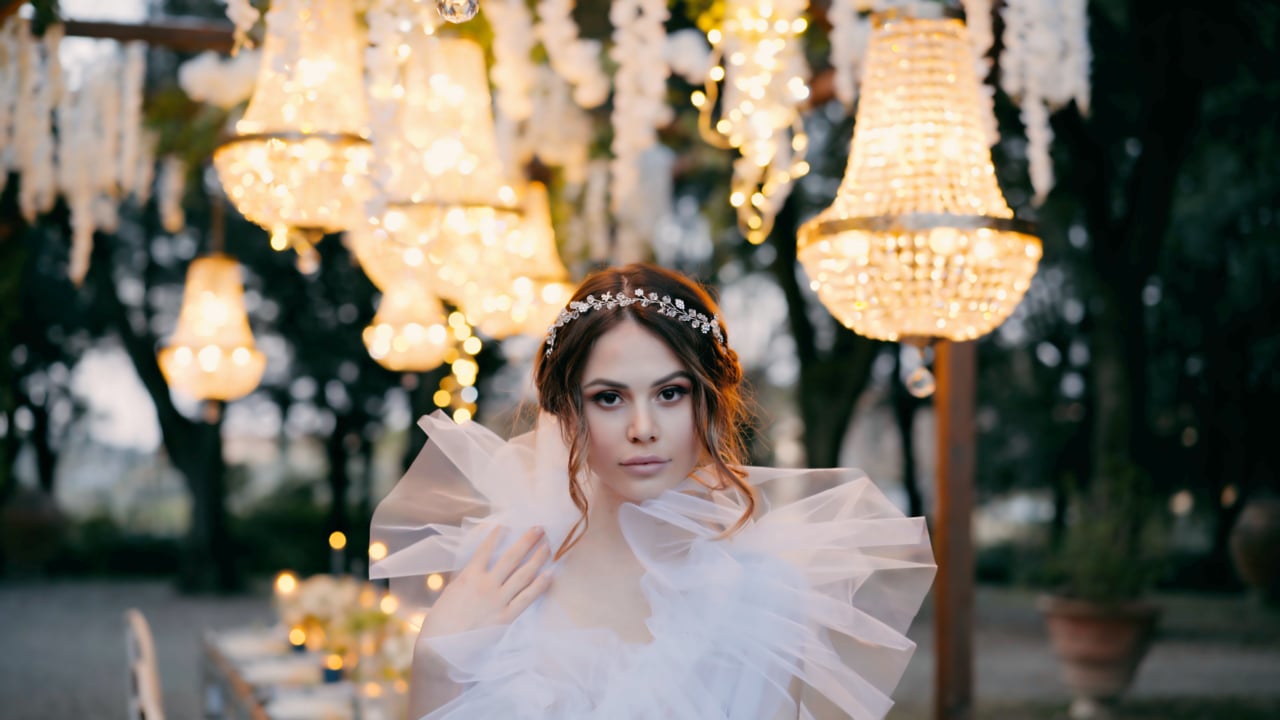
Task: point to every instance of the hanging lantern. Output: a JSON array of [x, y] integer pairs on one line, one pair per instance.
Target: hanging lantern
[[539, 287], [408, 333], [443, 186], [919, 242], [211, 355], [298, 161], [752, 103]]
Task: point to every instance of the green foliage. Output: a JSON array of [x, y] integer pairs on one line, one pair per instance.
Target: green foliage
[[98, 546], [1112, 551], [187, 129], [46, 13], [285, 530]]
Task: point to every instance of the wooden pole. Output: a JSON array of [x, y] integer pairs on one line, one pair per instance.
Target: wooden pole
[[185, 35], [956, 370]]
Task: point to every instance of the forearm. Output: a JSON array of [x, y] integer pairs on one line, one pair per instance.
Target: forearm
[[429, 684]]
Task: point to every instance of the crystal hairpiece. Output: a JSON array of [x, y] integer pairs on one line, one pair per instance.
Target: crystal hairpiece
[[671, 308]]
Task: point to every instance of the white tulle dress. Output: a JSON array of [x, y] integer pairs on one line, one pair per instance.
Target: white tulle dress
[[820, 589]]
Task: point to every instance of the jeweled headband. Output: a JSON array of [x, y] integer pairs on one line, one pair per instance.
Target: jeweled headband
[[671, 308]]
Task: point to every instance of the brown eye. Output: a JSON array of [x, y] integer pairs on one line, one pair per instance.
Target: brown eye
[[608, 398], [672, 393]]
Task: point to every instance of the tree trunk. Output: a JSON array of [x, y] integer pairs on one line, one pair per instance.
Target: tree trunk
[[13, 258], [832, 381], [194, 447], [46, 458], [337, 449], [208, 563]]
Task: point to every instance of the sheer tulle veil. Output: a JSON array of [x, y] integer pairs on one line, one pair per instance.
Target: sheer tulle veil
[[820, 586]]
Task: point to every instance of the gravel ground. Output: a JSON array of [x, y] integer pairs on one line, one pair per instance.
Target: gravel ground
[[62, 654]]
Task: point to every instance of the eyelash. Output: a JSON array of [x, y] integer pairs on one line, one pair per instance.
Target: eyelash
[[601, 397]]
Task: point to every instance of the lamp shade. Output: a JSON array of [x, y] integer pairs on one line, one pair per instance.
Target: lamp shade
[[443, 186], [409, 332], [919, 241], [537, 288], [299, 158], [211, 354]]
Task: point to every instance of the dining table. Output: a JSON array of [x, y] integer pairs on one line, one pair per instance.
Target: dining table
[[253, 673]]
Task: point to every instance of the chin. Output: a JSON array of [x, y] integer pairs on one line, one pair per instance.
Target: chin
[[637, 490]]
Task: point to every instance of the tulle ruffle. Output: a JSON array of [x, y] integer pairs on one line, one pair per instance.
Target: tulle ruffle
[[814, 594]]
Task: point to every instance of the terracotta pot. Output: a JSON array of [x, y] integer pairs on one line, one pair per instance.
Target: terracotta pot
[[1255, 546], [1100, 646]]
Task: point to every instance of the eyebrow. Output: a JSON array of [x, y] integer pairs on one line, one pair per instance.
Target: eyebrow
[[660, 381]]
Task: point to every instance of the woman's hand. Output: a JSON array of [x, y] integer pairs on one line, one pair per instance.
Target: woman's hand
[[481, 596]]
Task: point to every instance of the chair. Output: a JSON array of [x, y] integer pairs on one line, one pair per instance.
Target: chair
[[144, 677]]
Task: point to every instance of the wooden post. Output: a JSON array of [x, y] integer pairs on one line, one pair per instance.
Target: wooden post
[[955, 365]]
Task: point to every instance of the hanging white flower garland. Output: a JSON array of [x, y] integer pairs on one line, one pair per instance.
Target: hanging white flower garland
[[39, 87], [850, 31], [639, 104], [512, 73], [86, 145], [1044, 66], [575, 59], [243, 16], [558, 131]]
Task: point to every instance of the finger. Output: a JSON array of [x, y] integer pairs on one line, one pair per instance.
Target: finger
[[480, 560], [507, 561], [527, 572], [532, 591]]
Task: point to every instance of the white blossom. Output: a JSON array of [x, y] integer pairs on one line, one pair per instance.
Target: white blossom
[[171, 185], [244, 16], [209, 78], [512, 73], [576, 60], [688, 55]]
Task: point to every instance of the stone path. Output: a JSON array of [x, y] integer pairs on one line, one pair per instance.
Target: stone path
[[62, 649]]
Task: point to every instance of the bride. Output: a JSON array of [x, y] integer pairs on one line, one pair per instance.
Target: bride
[[621, 562]]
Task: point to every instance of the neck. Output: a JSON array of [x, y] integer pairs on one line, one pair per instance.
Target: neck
[[603, 548]]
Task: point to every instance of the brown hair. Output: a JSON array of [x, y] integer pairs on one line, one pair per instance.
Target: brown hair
[[718, 405]]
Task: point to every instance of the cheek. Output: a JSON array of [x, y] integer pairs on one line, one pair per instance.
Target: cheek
[[601, 432]]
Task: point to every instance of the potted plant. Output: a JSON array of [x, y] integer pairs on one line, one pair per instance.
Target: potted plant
[[1099, 622]]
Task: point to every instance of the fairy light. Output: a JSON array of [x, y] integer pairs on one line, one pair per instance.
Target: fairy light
[[752, 103], [456, 393]]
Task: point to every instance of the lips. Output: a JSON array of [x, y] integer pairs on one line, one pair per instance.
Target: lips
[[644, 465]]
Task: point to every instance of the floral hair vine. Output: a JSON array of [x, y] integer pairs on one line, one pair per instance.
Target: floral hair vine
[[671, 308]]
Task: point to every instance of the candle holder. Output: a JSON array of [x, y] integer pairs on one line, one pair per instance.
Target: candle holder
[[333, 669], [298, 639]]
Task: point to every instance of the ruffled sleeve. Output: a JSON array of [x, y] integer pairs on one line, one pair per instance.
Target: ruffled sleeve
[[465, 481], [833, 581]]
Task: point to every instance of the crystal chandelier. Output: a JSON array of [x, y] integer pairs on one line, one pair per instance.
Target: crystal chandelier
[[919, 242], [760, 64], [443, 187], [531, 298], [297, 163], [211, 355], [408, 333]]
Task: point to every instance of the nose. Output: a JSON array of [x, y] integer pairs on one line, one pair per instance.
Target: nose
[[642, 428]]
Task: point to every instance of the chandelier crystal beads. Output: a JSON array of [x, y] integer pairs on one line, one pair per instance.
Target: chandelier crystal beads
[[919, 242], [298, 161]]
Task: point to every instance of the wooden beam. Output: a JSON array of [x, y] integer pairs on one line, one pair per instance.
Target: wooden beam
[[956, 365], [186, 35]]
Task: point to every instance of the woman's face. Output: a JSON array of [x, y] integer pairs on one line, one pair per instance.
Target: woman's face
[[638, 403]]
